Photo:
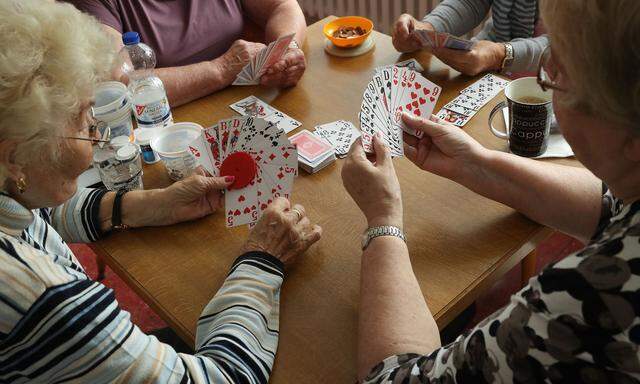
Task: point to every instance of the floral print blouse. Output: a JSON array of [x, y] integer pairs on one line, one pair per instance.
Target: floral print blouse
[[576, 322]]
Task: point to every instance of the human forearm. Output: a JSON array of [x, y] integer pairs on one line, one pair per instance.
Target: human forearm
[[562, 197], [279, 18], [394, 318], [458, 17], [191, 82], [138, 209]]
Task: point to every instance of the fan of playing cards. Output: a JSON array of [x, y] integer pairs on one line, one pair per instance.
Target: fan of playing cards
[[258, 155], [252, 72], [392, 91]]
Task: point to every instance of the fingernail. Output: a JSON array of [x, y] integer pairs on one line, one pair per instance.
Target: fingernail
[[229, 179]]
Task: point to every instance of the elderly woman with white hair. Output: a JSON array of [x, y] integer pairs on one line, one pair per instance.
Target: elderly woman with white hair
[[56, 324], [578, 321]]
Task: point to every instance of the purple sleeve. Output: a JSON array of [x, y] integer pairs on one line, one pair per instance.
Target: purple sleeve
[[106, 11]]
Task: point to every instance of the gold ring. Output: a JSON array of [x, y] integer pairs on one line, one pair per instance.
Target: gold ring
[[297, 212]]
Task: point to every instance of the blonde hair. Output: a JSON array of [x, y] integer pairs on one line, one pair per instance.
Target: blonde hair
[[51, 58], [598, 44]]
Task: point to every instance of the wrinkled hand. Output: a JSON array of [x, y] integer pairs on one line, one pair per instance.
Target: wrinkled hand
[[283, 233], [238, 55], [445, 149], [374, 186], [403, 38], [287, 71], [485, 56], [189, 199]]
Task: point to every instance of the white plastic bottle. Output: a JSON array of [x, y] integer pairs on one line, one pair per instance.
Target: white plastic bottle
[[149, 98]]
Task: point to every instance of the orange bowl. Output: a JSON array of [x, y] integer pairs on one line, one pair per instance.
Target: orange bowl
[[348, 21]]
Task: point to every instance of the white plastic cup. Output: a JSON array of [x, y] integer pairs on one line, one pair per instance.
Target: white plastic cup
[[113, 107], [172, 145]]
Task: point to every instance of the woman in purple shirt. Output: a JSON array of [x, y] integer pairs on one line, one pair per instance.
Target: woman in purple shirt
[[199, 43]]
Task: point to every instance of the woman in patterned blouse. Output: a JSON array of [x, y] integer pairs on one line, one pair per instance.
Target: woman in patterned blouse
[[56, 324], [578, 321]]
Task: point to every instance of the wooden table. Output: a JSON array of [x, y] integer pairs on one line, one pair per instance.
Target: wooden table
[[460, 243]]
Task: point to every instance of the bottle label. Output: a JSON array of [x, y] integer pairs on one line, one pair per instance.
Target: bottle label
[[151, 114]]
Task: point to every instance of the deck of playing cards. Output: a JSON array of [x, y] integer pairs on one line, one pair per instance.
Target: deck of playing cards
[[260, 157], [433, 39], [390, 93], [471, 99], [313, 153], [340, 134], [252, 106], [252, 72]]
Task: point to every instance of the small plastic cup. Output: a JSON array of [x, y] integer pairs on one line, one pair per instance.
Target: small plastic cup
[[172, 146], [112, 106]]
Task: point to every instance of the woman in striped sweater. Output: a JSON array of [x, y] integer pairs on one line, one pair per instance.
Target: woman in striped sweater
[[58, 325], [508, 43]]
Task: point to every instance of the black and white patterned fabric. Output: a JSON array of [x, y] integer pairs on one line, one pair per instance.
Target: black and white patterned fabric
[[576, 322]]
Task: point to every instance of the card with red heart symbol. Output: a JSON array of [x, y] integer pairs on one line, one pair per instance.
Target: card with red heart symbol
[[409, 92], [259, 155]]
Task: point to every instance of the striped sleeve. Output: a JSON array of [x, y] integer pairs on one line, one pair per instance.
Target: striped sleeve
[[77, 220], [527, 53], [458, 17], [76, 331]]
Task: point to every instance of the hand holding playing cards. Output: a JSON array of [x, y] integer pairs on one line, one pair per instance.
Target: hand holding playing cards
[[189, 199], [239, 54], [287, 71], [283, 231], [445, 149], [404, 38], [374, 186], [484, 56]]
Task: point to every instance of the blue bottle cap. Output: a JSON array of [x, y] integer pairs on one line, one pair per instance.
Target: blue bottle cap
[[130, 38]]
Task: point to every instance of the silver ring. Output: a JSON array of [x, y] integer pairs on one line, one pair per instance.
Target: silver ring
[[297, 212]]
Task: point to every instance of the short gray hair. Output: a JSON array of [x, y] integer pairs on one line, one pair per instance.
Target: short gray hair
[[51, 58], [598, 44]]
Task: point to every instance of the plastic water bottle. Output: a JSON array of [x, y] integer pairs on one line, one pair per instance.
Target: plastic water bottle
[[149, 98]]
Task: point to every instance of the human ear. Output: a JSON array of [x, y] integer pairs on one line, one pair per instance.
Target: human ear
[[7, 149]]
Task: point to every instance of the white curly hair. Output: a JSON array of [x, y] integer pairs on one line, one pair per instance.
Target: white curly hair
[[51, 58]]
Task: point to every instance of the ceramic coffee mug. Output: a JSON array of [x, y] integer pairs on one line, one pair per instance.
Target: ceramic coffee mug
[[530, 115]]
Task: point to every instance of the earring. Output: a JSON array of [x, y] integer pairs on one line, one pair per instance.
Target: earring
[[21, 184]]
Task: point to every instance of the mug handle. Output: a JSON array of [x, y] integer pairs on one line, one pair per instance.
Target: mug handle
[[503, 135]]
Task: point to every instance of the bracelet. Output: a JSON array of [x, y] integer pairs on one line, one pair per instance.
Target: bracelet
[[384, 230], [116, 214]]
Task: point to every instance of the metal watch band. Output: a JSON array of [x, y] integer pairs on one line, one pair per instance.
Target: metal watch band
[[508, 57], [116, 213], [384, 230]]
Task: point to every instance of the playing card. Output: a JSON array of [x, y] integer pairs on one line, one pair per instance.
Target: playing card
[[275, 53], [201, 150], [457, 43], [341, 134], [441, 39], [283, 121], [310, 146], [427, 37], [252, 106], [419, 97], [486, 88], [411, 64], [241, 205], [454, 118]]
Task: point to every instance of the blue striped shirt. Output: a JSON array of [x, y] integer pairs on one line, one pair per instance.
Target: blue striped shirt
[[57, 325]]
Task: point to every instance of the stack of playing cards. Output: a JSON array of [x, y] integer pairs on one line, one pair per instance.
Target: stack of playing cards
[[433, 39], [252, 106], [259, 156], [340, 134], [461, 109], [252, 72], [391, 92], [313, 152]]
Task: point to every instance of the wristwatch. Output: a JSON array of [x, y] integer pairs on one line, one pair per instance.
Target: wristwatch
[[116, 213], [293, 45], [508, 57], [383, 230]]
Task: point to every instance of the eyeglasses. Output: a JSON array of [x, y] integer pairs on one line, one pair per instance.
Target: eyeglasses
[[548, 72], [99, 132]]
